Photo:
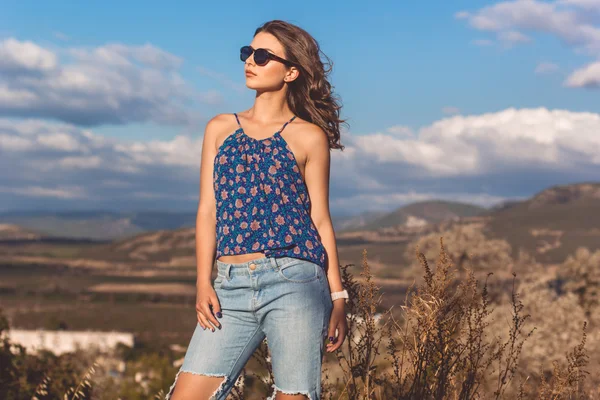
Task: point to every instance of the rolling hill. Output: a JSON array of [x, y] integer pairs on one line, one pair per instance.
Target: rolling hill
[[421, 213], [552, 223]]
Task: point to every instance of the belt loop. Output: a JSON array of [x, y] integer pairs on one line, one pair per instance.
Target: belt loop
[[227, 272]]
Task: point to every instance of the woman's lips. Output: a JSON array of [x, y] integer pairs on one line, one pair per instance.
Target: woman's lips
[[248, 73]]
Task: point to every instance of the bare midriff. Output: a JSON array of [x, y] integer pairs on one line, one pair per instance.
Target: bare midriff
[[241, 258]]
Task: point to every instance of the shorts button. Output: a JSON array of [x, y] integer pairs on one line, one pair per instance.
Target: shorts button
[[252, 266]]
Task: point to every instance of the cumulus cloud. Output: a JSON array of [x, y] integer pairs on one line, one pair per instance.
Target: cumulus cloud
[[588, 77], [561, 19], [400, 130], [506, 140], [111, 84], [576, 23], [588, 5], [510, 38], [25, 57], [44, 161], [481, 159]]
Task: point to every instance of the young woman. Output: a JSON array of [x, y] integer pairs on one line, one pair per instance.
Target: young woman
[[264, 209]]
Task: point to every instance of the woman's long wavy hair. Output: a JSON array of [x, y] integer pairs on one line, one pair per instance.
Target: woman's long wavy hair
[[309, 96]]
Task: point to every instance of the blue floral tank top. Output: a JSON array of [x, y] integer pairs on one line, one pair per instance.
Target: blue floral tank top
[[262, 201]]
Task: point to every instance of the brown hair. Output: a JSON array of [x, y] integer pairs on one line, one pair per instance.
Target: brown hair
[[309, 96]]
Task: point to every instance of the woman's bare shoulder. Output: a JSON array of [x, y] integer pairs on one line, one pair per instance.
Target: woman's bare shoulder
[[310, 133], [222, 120], [219, 127]]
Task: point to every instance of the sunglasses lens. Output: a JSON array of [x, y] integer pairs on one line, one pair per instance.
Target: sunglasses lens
[[245, 52], [261, 56]]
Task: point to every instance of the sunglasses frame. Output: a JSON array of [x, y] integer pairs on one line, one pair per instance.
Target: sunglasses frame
[[270, 56]]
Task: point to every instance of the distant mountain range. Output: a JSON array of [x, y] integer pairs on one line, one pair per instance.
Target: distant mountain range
[[107, 225], [416, 214], [551, 224], [97, 225]]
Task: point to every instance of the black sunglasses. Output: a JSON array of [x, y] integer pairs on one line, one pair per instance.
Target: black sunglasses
[[261, 56]]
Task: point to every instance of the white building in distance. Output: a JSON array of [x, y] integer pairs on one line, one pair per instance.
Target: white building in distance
[[59, 342]]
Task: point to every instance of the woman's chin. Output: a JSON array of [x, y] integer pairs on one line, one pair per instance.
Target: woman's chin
[[253, 85]]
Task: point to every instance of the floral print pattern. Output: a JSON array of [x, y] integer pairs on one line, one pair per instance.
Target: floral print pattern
[[262, 201]]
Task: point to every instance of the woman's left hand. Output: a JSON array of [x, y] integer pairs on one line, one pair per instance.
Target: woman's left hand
[[337, 321]]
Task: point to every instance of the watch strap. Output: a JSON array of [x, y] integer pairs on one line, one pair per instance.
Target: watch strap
[[340, 295]]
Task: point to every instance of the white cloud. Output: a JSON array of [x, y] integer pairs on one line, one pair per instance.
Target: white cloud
[[510, 38], [84, 162], [566, 23], [490, 143], [573, 22], [536, 16], [73, 192], [588, 5], [14, 143], [49, 160], [25, 56], [59, 141], [400, 130], [470, 158], [41, 141], [588, 76], [111, 84]]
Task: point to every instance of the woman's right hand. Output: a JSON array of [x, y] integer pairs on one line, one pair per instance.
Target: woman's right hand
[[206, 297]]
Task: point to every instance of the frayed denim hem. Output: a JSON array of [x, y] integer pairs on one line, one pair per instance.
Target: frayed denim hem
[[212, 397], [275, 389]]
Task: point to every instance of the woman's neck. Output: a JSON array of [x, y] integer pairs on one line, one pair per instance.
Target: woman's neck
[[270, 106]]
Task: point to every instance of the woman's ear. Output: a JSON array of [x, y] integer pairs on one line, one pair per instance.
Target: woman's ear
[[292, 74]]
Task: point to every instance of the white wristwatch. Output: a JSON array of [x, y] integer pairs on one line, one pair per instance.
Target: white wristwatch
[[339, 295]]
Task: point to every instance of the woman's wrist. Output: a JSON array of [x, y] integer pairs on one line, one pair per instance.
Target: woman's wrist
[[341, 295], [203, 282]]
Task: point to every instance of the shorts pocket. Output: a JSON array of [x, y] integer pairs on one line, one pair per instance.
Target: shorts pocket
[[299, 271], [218, 281]]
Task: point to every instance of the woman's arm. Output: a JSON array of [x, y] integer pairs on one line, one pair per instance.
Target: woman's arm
[[316, 173], [317, 181], [206, 215]]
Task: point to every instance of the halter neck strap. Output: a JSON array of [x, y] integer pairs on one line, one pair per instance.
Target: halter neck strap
[[237, 119], [284, 125], [282, 128]]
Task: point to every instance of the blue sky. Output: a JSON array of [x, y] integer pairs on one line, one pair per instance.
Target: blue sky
[[424, 69]]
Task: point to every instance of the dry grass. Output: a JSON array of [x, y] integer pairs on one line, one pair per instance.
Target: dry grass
[[444, 343], [84, 387], [441, 344]]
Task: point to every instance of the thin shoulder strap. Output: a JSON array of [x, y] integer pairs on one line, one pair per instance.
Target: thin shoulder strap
[[284, 125], [237, 119]]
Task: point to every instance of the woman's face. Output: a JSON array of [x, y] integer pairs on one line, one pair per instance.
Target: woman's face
[[274, 74]]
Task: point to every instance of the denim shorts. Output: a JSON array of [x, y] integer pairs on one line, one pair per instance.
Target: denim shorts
[[283, 299]]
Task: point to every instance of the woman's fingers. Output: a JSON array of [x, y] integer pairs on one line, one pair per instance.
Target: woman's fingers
[[207, 307], [337, 339], [331, 333], [209, 316], [202, 320], [216, 307]]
